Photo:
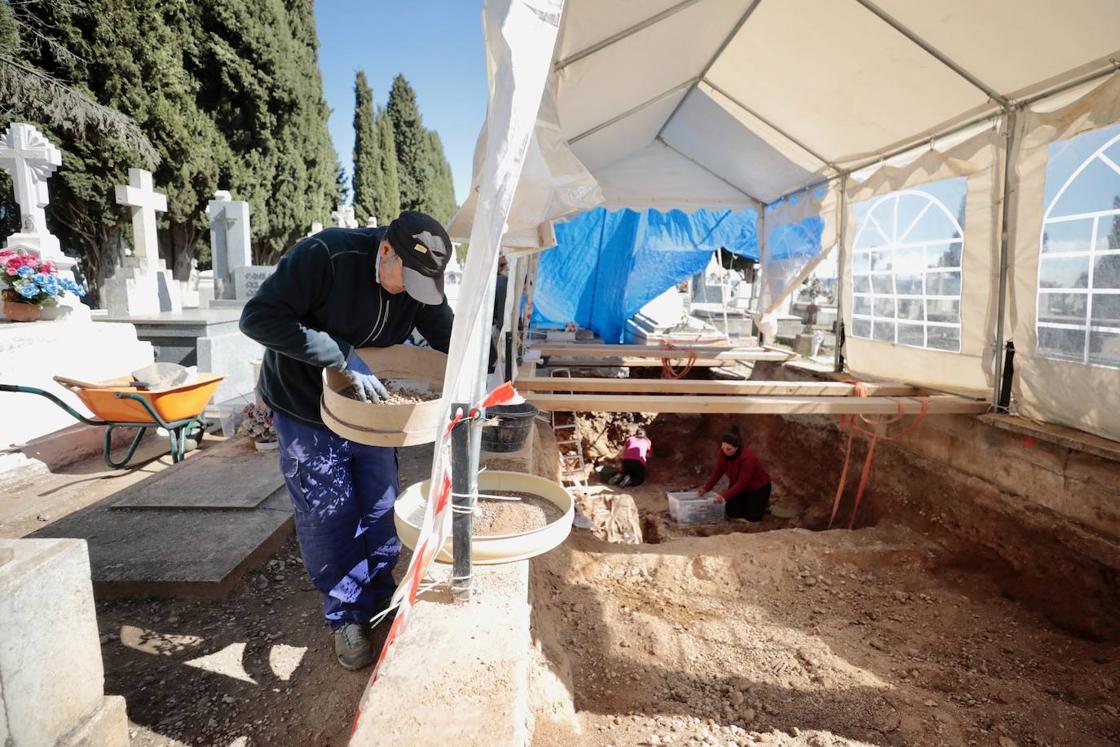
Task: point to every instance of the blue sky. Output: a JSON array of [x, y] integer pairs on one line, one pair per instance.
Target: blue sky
[[437, 44]]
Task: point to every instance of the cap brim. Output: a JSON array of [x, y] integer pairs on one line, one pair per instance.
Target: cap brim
[[423, 288]]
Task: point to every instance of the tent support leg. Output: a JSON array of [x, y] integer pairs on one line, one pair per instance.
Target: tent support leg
[[1010, 119], [841, 256]]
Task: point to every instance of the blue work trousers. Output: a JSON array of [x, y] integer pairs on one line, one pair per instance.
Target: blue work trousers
[[343, 494]]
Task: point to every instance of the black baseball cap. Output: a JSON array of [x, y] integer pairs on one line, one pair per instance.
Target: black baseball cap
[[425, 249]]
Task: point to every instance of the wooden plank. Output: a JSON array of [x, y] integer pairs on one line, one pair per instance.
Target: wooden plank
[[689, 386], [555, 361], [717, 353], [679, 358], [753, 405]]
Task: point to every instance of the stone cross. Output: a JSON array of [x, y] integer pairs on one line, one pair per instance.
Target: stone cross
[[30, 159], [140, 196], [344, 217], [230, 239]]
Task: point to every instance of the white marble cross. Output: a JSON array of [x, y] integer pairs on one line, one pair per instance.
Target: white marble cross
[[145, 202], [344, 217], [30, 159]]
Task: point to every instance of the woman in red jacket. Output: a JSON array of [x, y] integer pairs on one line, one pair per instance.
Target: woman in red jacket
[[748, 490]]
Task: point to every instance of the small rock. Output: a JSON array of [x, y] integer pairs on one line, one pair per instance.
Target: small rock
[[1007, 742], [931, 703], [748, 715]]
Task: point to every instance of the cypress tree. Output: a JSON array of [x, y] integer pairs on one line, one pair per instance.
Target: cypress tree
[[440, 191], [411, 144], [367, 173], [387, 202]]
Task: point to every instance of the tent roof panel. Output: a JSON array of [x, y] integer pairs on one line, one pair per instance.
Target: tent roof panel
[[643, 66], [659, 177], [1012, 45], [634, 132], [838, 78], [586, 25], [707, 133]]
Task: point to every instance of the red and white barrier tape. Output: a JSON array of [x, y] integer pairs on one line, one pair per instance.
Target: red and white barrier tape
[[436, 526]]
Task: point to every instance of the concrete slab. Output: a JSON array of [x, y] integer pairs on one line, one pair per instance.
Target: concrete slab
[[50, 654], [106, 727], [226, 478], [197, 552], [459, 673]]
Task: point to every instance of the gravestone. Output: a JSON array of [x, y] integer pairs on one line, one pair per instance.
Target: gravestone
[[142, 284], [30, 159], [230, 240], [344, 217], [247, 280], [371, 222], [316, 227]]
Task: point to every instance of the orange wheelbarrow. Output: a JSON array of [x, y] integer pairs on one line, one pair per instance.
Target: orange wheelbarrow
[[120, 403]]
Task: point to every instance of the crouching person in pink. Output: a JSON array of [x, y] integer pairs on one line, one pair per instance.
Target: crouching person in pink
[[635, 453]]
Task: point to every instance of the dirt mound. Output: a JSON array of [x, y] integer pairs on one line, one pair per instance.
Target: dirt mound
[[807, 638]]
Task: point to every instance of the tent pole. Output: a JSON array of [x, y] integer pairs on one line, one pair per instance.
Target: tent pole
[[1010, 121], [937, 54], [841, 255]]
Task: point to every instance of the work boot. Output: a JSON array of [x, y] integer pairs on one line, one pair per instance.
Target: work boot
[[352, 646]]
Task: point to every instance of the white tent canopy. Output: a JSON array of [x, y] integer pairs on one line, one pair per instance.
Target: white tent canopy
[[731, 102], [683, 104]]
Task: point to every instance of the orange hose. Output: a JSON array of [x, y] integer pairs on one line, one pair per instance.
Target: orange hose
[[667, 369], [852, 424]]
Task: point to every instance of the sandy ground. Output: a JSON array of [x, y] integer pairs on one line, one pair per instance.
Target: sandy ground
[[819, 638], [257, 668]]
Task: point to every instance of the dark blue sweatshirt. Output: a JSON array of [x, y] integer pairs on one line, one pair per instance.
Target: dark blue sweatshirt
[[323, 301]]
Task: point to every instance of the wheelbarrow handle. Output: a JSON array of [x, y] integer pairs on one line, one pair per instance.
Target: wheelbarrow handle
[[18, 389]]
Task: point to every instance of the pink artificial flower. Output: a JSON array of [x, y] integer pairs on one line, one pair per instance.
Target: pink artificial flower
[[48, 268]]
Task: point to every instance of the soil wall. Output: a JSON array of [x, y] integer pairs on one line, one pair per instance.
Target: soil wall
[[1044, 517]]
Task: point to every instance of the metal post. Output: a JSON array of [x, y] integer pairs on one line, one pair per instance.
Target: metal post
[[1004, 404], [1010, 120], [509, 356], [461, 503], [842, 230]]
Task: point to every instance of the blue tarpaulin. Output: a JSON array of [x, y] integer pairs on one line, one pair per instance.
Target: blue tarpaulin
[[607, 265]]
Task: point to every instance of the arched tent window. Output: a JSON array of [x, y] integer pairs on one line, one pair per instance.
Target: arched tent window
[[906, 266], [1079, 264]]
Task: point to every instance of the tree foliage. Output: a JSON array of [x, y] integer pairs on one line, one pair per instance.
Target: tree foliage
[[411, 144], [227, 93], [387, 204], [367, 158]]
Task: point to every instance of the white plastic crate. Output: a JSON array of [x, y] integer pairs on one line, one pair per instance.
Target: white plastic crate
[[689, 508]]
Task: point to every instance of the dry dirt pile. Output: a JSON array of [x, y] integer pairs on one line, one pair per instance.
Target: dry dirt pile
[[810, 638]]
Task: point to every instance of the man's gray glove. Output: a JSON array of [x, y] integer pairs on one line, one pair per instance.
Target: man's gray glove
[[363, 385]]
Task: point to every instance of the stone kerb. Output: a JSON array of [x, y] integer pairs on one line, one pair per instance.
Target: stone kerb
[[51, 675]]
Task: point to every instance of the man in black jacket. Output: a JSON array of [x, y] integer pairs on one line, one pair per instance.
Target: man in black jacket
[[332, 293]]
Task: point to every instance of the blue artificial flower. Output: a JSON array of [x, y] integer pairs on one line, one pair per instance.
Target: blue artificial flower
[[28, 290], [25, 271], [71, 287], [41, 279]]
